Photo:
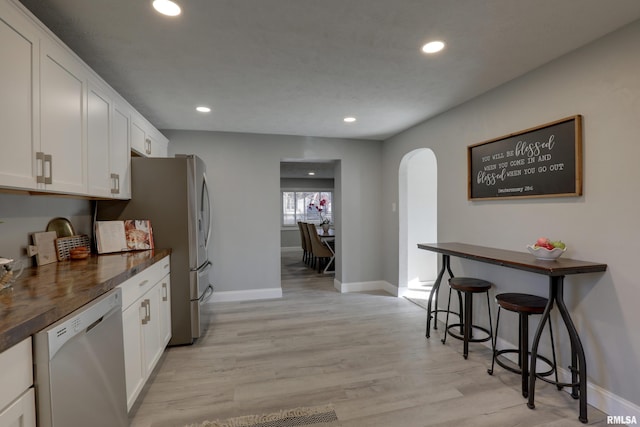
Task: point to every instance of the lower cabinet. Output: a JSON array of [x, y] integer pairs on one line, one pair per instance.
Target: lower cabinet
[[17, 398], [146, 319]]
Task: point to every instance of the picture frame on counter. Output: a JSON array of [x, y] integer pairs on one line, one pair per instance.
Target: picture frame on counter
[[543, 161]]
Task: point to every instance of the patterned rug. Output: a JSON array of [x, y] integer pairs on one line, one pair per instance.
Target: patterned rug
[[285, 418]]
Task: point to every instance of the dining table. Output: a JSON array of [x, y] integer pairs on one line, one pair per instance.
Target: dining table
[[328, 238], [555, 270]]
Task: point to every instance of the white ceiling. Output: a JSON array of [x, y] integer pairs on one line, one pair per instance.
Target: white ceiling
[[298, 67]]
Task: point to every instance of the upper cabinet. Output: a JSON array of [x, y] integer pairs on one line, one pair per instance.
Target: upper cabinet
[[18, 63], [120, 151], [146, 141], [62, 128], [62, 109], [108, 144]]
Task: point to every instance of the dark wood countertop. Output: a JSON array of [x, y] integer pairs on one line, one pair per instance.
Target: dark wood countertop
[[43, 295], [513, 259]]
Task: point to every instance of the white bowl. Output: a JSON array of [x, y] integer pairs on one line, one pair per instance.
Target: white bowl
[[546, 254]]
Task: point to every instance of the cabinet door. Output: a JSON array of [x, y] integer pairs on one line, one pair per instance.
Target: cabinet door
[[158, 147], [98, 140], [164, 289], [151, 331], [61, 120], [135, 372], [21, 413], [138, 138], [120, 158], [18, 65]]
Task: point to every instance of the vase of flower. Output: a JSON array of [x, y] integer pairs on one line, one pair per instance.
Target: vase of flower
[[325, 227]]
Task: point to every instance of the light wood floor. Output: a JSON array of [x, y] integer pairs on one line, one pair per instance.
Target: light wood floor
[[365, 353]]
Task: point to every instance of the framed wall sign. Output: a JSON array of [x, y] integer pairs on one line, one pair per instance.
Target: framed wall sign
[[545, 161]]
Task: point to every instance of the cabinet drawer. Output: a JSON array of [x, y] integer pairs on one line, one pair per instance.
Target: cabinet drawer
[[138, 285], [17, 373]]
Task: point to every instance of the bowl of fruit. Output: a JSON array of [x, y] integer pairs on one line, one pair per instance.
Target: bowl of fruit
[[547, 249]]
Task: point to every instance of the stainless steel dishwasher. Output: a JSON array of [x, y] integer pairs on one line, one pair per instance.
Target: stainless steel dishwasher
[[79, 367]]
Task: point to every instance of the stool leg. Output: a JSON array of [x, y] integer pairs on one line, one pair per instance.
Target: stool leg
[[446, 322], [553, 354], [489, 313], [460, 310], [524, 353], [468, 315], [494, 342]]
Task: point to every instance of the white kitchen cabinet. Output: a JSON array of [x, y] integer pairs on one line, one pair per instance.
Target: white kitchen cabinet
[[17, 401], [107, 144], [98, 141], [144, 318], [18, 103], [54, 117], [159, 146], [146, 141], [120, 152], [164, 290], [62, 154]]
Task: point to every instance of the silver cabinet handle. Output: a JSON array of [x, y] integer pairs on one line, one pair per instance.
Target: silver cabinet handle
[[48, 158], [115, 183], [165, 294], [145, 319], [148, 310], [144, 282], [40, 167], [147, 147]]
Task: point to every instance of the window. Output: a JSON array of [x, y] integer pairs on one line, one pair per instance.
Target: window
[[306, 206]]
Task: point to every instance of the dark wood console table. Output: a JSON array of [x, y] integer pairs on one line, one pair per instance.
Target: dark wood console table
[[556, 271]]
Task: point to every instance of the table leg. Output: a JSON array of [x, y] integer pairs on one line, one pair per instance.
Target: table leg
[[434, 291], [579, 370], [331, 260]]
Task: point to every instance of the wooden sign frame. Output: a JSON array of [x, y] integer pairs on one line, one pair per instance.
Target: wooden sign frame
[[543, 161]]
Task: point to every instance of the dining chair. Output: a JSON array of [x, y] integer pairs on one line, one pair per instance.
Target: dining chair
[[305, 235], [304, 241], [321, 251]]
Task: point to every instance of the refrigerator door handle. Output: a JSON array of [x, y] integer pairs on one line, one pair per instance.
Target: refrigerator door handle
[[206, 294], [204, 267], [205, 189]]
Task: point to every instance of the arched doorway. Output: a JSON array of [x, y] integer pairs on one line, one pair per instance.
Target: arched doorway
[[417, 220]]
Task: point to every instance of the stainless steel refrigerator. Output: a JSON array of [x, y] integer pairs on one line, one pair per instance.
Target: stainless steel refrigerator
[[172, 193]]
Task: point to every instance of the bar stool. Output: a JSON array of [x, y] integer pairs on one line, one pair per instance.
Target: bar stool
[[525, 305], [468, 286]]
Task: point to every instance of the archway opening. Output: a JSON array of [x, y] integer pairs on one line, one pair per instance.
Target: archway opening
[[418, 222]]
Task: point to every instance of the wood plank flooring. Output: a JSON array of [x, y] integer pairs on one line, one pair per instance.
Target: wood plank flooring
[[365, 353]]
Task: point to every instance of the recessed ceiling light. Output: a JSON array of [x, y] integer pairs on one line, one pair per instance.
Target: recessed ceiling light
[[203, 109], [349, 119], [311, 173], [433, 47], [166, 7]]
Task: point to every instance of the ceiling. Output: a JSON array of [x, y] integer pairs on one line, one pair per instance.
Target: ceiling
[[298, 67]]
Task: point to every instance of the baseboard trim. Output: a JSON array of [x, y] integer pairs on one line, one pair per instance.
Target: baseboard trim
[[376, 285], [246, 295]]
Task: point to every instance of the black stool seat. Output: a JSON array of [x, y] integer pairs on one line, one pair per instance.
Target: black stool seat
[[468, 286], [525, 305]]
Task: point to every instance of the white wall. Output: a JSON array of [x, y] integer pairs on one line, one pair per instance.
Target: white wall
[[601, 82], [244, 175]]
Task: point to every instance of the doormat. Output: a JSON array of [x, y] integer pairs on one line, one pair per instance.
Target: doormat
[[285, 418]]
